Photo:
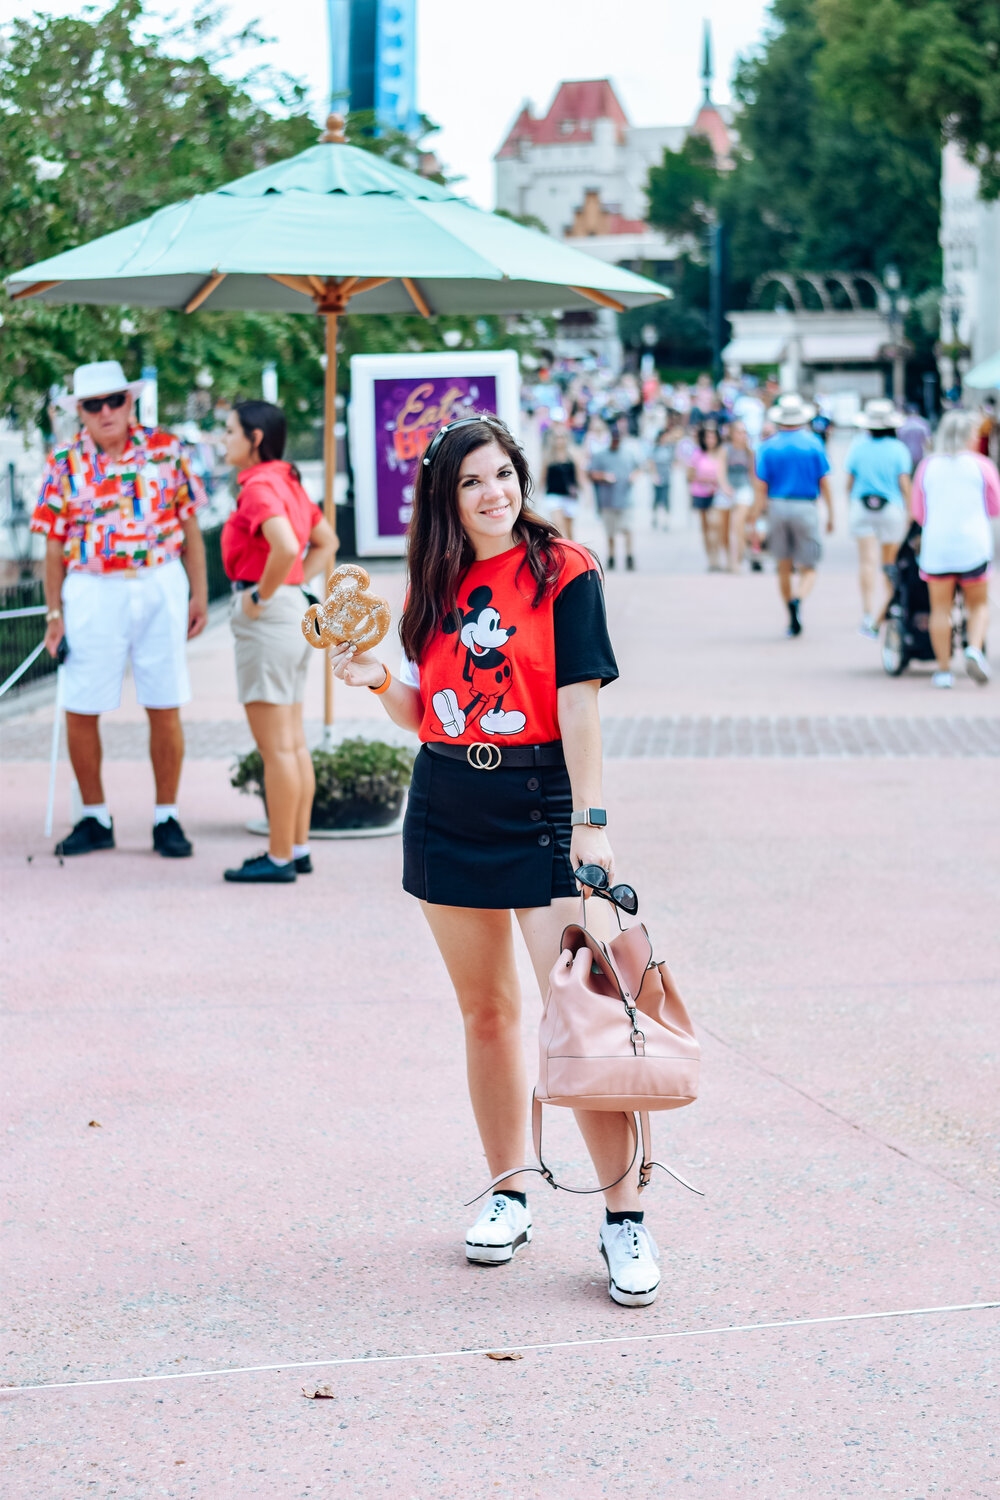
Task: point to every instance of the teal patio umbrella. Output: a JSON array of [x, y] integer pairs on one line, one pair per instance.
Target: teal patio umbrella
[[332, 229]]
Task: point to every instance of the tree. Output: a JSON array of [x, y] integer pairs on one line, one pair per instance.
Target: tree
[[683, 190], [812, 188], [918, 66]]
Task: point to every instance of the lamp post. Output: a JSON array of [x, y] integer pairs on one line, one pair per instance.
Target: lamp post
[[898, 349]]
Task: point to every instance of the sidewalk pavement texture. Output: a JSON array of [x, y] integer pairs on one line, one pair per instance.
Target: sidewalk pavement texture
[[239, 1138]]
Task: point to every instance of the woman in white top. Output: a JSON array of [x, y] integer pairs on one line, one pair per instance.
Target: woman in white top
[[955, 492]]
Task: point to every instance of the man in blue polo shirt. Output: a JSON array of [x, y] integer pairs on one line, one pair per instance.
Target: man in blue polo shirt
[[792, 472]]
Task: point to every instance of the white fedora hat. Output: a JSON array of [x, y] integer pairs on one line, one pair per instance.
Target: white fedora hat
[[880, 412], [102, 378], [791, 411]]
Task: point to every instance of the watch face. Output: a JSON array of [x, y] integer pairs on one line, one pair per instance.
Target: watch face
[[598, 817]]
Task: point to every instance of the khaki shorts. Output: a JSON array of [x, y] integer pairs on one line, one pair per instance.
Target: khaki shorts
[[793, 532], [888, 524], [272, 654]]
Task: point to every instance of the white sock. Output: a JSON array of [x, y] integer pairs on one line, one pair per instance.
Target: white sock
[[299, 851], [276, 861], [98, 811], [164, 810]]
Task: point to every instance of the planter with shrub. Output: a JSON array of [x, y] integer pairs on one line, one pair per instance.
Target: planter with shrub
[[359, 784]]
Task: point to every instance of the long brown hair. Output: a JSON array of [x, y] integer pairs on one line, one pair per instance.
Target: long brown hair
[[438, 551]]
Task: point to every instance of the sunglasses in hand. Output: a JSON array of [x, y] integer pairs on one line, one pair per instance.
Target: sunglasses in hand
[[596, 877], [114, 402]]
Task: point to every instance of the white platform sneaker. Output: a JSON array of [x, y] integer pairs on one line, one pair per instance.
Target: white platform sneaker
[[633, 1263], [502, 1227]]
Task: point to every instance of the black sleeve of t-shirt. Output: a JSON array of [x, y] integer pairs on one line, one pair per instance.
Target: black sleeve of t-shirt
[[583, 646]]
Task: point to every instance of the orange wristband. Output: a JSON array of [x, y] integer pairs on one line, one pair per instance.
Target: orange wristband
[[378, 691]]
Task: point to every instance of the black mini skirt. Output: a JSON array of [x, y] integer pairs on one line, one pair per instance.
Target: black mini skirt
[[493, 840]]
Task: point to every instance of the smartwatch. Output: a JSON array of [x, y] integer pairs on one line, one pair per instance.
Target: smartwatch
[[590, 817], [255, 597]]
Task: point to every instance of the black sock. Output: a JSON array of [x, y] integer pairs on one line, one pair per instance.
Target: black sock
[[635, 1214], [521, 1198]]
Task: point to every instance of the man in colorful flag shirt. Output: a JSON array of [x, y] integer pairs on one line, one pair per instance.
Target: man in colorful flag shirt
[[124, 579]]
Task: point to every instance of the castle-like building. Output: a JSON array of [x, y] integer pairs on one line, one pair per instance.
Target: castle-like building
[[581, 168]]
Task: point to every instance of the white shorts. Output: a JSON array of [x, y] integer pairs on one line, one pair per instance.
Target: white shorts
[[742, 495], [108, 620], [888, 524]]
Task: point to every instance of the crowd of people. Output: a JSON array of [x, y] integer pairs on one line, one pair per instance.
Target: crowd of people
[[756, 466]]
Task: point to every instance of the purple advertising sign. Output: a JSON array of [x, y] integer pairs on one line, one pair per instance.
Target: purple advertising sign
[[408, 412]]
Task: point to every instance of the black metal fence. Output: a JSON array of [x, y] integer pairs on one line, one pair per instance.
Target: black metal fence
[[19, 637]]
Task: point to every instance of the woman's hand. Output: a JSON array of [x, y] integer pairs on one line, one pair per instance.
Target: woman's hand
[[356, 668], [250, 609], [590, 846]]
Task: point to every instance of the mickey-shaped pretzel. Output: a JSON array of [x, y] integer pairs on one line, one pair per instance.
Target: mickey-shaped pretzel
[[348, 613]]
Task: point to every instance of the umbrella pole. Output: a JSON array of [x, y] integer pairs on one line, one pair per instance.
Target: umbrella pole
[[329, 507]]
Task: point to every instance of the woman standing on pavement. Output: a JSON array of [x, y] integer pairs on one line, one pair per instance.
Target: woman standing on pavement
[[955, 492], [505, 649], [740, 475], [706, 479], [262, 552], [878, 465]]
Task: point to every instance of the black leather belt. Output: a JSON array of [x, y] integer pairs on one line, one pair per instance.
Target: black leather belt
[[240, 585], [488, 756]]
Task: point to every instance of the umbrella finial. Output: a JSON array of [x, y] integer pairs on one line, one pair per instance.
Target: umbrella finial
[[334, 132]]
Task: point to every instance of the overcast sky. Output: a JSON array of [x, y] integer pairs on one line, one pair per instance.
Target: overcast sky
[[476, 64]]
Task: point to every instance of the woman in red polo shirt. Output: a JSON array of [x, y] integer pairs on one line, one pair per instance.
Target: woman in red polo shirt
[[505, 649], [263, 543]]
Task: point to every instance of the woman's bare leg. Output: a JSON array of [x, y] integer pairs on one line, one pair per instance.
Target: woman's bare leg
[[737, 535], [942, 592], [478, 952], [977, 610], [868, 573], [273, 728], [307, 777], [606, 1135], [889, 550]]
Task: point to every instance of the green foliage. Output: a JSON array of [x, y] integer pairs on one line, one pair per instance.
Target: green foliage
[[813, 189], [355, 770], [683, 190], [918, 66], [683, 338]]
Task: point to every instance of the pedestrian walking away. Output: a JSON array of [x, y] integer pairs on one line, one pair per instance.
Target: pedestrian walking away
[[262, 552], [661, 463], [124, 579], [955, 493], [562, 481], [710, 492], [612, 473], [505, 646], [915, 432], [792, 473], [740, 474], [878, 465]]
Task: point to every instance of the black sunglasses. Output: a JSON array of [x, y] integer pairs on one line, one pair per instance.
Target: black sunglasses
[[114, 402], [439, 436], [596, 876]]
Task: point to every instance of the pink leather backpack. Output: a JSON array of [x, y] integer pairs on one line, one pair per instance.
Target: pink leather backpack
[[614, 1035]]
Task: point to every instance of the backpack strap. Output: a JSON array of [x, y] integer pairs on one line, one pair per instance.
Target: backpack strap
[[645, 1169]]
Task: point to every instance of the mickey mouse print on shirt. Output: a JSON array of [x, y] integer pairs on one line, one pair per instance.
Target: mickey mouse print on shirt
[[492, 671], [487, 675]]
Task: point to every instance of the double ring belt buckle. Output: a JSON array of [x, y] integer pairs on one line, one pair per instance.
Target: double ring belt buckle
[[484, 757]]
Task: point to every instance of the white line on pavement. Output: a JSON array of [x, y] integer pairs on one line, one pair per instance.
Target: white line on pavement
[[396, 1359]]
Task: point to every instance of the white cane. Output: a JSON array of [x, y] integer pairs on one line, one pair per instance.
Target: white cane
[[54, 759]]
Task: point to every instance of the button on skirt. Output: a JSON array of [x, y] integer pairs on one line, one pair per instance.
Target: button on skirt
[[493, 840]]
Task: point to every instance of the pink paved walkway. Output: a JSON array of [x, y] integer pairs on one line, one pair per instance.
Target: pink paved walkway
[[833, 924]]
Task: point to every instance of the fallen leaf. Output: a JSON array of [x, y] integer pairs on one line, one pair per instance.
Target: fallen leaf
[[504, 1354], [96, 1124], [319, 1393]]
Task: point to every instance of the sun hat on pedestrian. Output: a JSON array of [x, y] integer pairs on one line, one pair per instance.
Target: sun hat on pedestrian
[[791, 411], [879, 414], [102, 378]]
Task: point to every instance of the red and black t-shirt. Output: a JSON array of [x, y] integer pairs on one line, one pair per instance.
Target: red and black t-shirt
[[495, 677]]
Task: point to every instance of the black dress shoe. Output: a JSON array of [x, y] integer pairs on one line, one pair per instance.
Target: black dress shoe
[[170, 841], [88, 835], [262, 871], [304, 864]]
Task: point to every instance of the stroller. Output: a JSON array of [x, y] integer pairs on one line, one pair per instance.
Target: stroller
[[906, 635]]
